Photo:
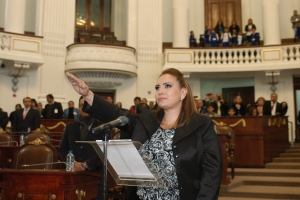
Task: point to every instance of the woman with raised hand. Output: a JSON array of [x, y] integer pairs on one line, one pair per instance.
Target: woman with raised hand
[[181, 143]]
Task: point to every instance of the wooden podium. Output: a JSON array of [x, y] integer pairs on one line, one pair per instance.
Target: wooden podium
[[48, 184], [223, 141]]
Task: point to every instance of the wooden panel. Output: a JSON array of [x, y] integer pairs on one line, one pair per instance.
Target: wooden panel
[[230, 13], [215, 14], [247, 94]]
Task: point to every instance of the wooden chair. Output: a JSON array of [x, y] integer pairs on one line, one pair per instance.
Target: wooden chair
[[6, 138], [42, 134], [36, 152], [227, 130]]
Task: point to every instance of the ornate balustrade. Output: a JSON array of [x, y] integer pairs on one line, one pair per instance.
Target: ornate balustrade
[[101, 66], [232, 59]]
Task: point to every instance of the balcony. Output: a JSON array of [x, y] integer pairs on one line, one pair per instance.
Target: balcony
[[260, 58], [101, 66], [19, 51]]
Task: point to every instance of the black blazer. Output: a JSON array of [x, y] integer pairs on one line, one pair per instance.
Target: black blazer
[[83, 152], [3, 119], [32, 120], [241, 111], [279, 110], [53, 111], [198, 176]]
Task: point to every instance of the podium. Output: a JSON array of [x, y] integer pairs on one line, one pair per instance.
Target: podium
[[48, 184]]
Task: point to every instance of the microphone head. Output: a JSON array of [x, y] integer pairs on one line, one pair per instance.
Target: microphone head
[[123, 120]]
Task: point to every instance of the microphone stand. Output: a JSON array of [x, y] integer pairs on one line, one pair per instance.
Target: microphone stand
[[106, 132]]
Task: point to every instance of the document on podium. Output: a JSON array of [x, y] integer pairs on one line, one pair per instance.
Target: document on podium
[[127, 166]]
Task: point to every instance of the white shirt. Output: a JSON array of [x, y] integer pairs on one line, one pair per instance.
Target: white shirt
[[273, 106]]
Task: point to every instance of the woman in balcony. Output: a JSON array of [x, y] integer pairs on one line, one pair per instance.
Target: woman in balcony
[[248, 29], [181, 143]]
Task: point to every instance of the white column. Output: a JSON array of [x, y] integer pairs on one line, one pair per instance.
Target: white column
[[271, 22], [132, 21], [180, 23], [15, 16], [39, 18]]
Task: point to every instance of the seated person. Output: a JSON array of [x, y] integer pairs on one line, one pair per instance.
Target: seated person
[[231, 112], [226, 38], [193, 42], [240, 39], [254, 37], [210, 111], [214, 39]]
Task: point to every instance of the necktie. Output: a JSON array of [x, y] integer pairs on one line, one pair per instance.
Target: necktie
[[25, 113]]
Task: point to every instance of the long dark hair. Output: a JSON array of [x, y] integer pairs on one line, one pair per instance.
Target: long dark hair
[[188, 104]]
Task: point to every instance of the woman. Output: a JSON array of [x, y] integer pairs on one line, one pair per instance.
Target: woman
[[34, 104], [239, 107], [234, 30], [253, 111], [248, 29], [219, 28], [261, 109], [191, 166]]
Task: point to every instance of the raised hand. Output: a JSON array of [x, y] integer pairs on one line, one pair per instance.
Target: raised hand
[[79, 86]]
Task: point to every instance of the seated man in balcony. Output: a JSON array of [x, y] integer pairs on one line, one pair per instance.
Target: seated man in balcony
[[254, 37], [193, 42]]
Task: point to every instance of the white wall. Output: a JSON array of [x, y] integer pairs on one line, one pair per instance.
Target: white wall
[[30, 14], [2, 13]]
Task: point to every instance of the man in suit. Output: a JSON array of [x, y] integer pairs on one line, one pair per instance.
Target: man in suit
[[85, 156], [200, 106], [275, 107], [53, 110], [71, 112], [3, 119], [26, 119], [137, 101]]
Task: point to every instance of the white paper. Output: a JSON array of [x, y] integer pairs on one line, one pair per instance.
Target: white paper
[[125, 159]]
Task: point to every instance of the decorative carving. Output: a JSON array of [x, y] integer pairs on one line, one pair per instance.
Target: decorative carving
[[243, 121], [37, 141], [19, 195], [55, 126], [278, 121], [53, 196], [80, 194]]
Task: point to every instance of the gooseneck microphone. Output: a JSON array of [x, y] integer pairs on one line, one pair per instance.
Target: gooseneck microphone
[[120, 121]]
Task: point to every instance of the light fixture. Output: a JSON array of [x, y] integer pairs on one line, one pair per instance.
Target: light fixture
[[273, 79]]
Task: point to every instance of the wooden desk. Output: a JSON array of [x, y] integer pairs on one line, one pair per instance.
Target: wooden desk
[[223, 139], [257, 139], [48, 184]]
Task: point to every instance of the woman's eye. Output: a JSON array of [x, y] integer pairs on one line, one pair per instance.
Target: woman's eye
[[156, 87], [168, 86]]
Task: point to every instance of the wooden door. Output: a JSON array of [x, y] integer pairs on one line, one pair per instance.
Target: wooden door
[[247, 94], [225, 10]]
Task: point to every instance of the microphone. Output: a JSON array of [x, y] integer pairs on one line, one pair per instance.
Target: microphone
[[9, 142], [52, 163], [120, 121]]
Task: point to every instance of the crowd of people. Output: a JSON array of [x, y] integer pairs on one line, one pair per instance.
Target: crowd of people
[[225, 36], [215, 106]]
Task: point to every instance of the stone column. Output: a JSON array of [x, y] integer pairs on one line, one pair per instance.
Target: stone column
[[132, 6], [180, 23], [271, 20], [15, 16]]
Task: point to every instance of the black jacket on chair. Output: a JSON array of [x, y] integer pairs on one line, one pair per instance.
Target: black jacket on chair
[[32, 120], [196, 150]]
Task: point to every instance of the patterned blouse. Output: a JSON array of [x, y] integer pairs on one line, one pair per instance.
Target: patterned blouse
[[159, 149]]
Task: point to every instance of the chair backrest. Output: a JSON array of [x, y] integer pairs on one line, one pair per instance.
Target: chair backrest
[[6, 138], [43, 135], [225, 129], [37, 152]]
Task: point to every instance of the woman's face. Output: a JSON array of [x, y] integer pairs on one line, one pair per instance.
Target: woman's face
[[254, 112], [260, 102], [168, 92]]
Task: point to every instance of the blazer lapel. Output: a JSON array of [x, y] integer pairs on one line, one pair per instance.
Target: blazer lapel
[[186, 130]]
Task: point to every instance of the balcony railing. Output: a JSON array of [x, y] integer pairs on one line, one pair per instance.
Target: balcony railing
[[257, 58]]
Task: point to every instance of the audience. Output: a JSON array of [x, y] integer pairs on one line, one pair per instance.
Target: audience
[[119, 104], [71, 112], [41, 109], [254, 37], [144, 100], [53, 110], [210, 111], [234, 29], [253, 111], [207, 33], [226, 38], [275, 107], [240, 39], [200, 106], [213, 39], [151, 104], [261, 108], [110, 99], [137, 101]]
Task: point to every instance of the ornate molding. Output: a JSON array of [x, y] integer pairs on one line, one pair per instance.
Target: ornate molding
[[243, 121], [278, 121], [101, 66]]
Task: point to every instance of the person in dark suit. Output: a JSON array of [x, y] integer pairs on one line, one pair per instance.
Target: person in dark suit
[[174, 136], [220, 107], [13, 114], [3, 119], [85, 155], [53, 110], [239, 107], [275, 107], [26, 119]]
